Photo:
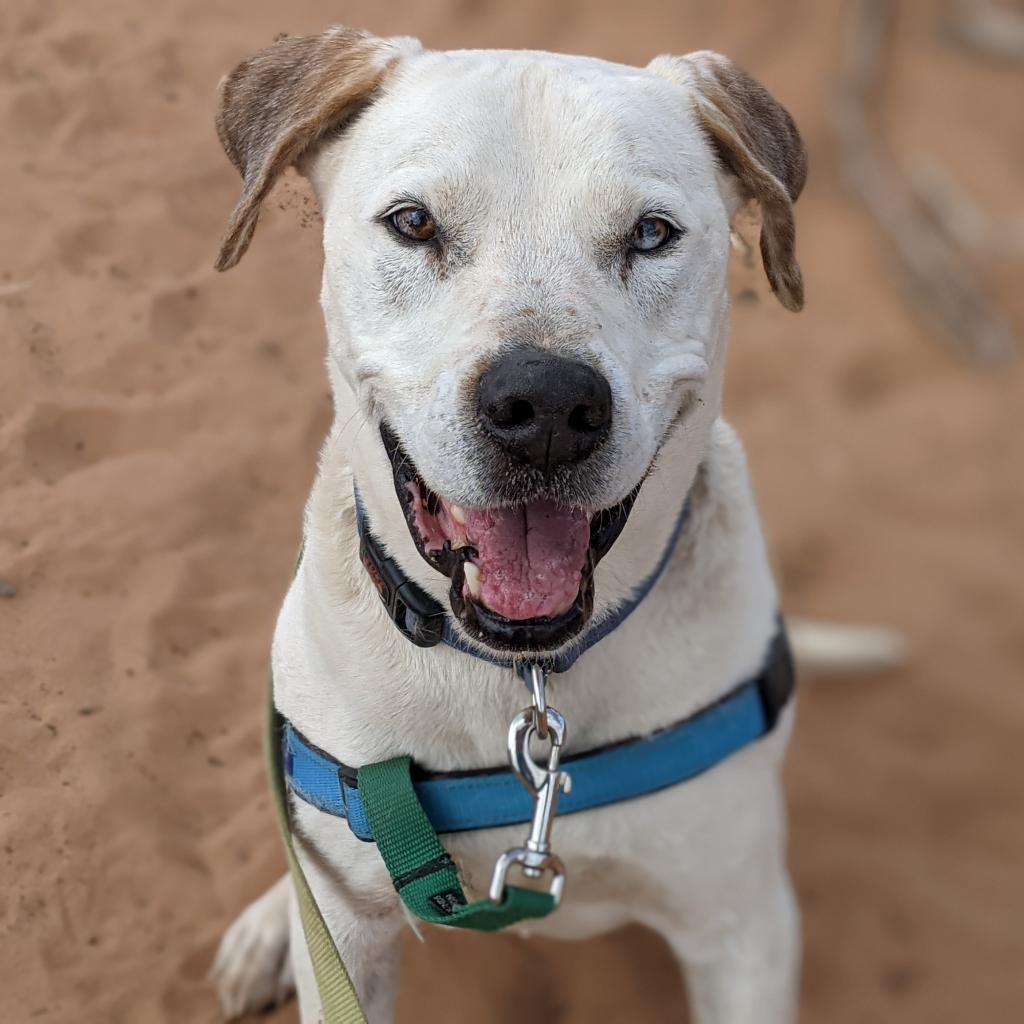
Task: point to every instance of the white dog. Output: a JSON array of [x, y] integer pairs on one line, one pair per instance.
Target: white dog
[[525, 294]]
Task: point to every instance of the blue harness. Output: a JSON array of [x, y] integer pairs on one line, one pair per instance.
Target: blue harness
[[465, 800], [460, 801]]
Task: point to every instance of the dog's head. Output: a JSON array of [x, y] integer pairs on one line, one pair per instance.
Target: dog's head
[[525, 291]]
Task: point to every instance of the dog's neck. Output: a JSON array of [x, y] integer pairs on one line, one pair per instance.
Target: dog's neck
[[356, 687]]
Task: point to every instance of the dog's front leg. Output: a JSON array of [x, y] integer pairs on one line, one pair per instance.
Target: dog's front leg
[[749, 972], [252, 969], [369, 948]]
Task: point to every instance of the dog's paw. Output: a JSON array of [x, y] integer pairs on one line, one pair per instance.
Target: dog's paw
[[253, 969]]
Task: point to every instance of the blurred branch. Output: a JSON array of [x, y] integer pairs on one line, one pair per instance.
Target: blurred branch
[[959, 216], [989, 29], [940, 281]]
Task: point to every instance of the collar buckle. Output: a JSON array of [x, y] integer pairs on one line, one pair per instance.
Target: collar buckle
[[417, 615]]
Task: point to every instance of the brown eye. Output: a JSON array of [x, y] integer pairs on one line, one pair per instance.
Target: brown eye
[[414, 222], [650, 233]]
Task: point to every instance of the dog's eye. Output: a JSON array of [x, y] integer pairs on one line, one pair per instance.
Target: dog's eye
[[650, 233], [414, 222]]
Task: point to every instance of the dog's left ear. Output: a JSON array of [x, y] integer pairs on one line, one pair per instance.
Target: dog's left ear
[[280, 102], [757, 141]]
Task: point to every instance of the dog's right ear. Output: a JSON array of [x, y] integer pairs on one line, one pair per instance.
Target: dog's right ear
[[281, 101]]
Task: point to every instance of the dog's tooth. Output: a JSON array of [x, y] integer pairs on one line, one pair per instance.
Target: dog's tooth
[[458, 514], [472, 579]]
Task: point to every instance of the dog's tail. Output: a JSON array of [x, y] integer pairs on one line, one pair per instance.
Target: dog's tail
[[832, 649]]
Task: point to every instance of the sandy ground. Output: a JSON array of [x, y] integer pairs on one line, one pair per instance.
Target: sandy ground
[[158, 430]]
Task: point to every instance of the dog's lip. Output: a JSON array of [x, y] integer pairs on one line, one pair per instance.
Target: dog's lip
[[543, 633]]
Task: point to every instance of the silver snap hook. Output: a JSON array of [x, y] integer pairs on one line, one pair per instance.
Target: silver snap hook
[[544, 782]]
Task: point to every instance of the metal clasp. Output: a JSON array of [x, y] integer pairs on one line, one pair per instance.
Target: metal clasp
[[544, 784]]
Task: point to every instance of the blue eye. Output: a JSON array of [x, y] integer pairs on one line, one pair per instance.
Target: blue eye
[[650, 233]]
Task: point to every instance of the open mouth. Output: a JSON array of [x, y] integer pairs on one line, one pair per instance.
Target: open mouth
[[522, 578]]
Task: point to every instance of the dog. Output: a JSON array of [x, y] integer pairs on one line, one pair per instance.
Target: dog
[[524, 288]]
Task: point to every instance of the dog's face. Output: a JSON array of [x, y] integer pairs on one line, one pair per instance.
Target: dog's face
[[524, 287]]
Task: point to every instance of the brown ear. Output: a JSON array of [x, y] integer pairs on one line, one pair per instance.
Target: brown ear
[[757, 141], [278, 103]]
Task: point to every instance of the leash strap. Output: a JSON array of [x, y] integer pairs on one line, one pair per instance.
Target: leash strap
[[338, 1000], [423, 872]]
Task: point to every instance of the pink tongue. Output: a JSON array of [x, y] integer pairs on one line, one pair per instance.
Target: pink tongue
[[530, 559]]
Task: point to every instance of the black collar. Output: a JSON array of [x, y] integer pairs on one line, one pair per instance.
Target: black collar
[[422, 620]]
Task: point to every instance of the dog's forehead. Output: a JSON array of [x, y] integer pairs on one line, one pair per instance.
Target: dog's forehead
[[497, 108]]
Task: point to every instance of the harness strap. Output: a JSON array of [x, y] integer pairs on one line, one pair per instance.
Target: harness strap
[[423, 873]]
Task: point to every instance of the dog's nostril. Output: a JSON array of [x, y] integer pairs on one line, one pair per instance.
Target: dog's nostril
[[515, 413], [587, 418]]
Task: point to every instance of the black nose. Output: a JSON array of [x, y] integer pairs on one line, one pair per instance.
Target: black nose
[[545, 410]]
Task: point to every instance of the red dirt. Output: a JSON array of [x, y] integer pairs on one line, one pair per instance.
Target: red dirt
[[159, 424]]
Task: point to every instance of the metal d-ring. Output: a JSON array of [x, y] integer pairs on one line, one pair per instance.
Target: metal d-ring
[[537, 680]]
